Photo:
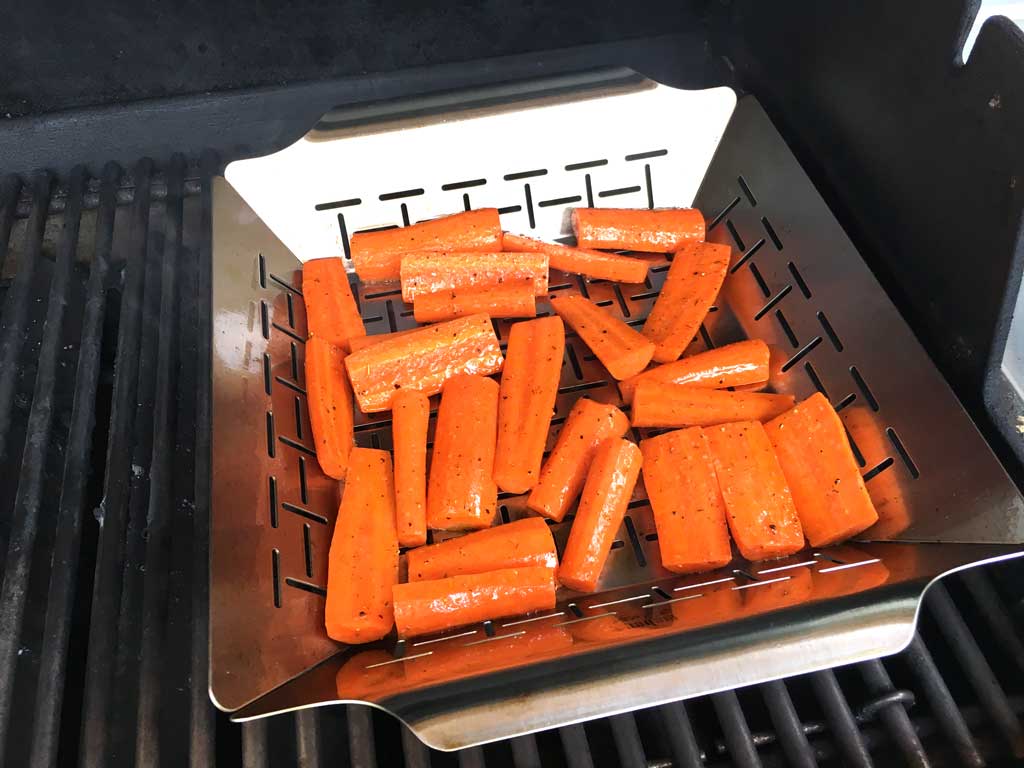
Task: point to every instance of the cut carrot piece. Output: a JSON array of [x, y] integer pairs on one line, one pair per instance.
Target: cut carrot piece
[[425, 272], [529, 386], [512, 545], [580, 261], [606, 494], [679, 475], [510, 299], [410, 412], [565, 471], [331, 311], [461, 493], [760, 511], [355, 345], [362, 564], [423, 360], [690, 288], [662, 230], [657, 404], [377, 255], [829, 492], [621, 350], [330, 406], [422, 607], [734, 365]]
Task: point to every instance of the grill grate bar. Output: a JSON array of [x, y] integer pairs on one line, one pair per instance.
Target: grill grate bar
[[575, 746], [892, 713], [307, 738], [738, 740], [524, 751], [988, 604], [682, 742], [840, 719], [10, 187], [787, 724], [414, 751], [362, 749], [627, 741], [468, 758], [254, 744]]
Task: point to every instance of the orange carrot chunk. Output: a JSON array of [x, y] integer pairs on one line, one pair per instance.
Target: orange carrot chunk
[[426, 272], [580, 261], [689, 513], [565, 471], [422, 360], [621, 350], [758, 504], [355, 345], [330, 406], [362, 566], [814, 452], [377, 255], [529, 386], [422, 607], [662, 230], [410, 411], [656, 404], [331, 311], [606, 494], [513, 298]]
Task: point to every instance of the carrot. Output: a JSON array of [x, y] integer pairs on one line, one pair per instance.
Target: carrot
[[422, 607], [734, 365], [580, 261], [621, 350], [423, 360], [606, 493], [690, 288], [362, 342], [565, 471], [520, 543], [428, 272], [689, 513], [510, 299], [410, 411], [662, 230], [529, 386], [814, 452], [331, 311], [888, 490], [376, 255], [362, 564], [330, 406], [461, 493], [657, 404], [759, 507]]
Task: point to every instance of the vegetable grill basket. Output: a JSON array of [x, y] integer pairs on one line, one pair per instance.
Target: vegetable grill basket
[[534, 151]]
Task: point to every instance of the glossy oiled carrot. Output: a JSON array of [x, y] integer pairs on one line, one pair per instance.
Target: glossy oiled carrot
[[422, 607], [580, 261], [363, 559], [621, 350], [461, 493], [426, 272], [512, 545], [662, 230], [563, 474], [331, 311], [355, 345], [423, 360], [827, 487], [606, 494], [529, 386], [376, 255], [330, 406], [410, 411], [734, 365], [759, 508], [656, 404], [689, 513], [513, 298]]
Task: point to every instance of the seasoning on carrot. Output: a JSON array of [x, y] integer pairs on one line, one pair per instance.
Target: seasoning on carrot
[[580, 261], [355, 345], [428, 272], [362, 564], [759, 508], [663, 230], [621, 350], [330, 406], [512, 298], [656, 404], [331, 311], [410, 411]]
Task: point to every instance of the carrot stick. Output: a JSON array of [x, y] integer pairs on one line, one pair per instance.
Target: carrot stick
[[814, 452], [330, 406], [656, 404], [690, 288], [662, 230], [734, 365], [689, 513], [410, 411], [425, 272], [621, 350], [331, 311], [362, 342], [422, 607], [461, 493], [580, 261], [606, 494], [423, 360], [362, 564], [520, 543], [565, 471], [758, 504], [529, 386], [376, 255], [510, 299]]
